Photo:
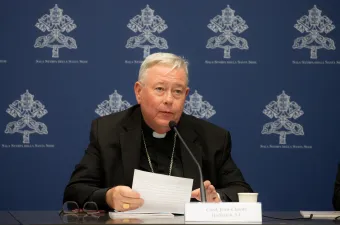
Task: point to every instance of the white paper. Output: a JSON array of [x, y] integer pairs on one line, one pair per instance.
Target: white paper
[[161, 193], [136, 215], [320, 214]]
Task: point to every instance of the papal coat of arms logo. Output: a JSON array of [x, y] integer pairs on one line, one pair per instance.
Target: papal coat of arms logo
[[26, 109], [113, 105], [283, 110], [314, 25], [147, 24], [228, 25], [197, 107], [55, 24]]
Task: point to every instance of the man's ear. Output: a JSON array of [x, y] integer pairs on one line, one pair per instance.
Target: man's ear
[[187, 92], [138, 89]]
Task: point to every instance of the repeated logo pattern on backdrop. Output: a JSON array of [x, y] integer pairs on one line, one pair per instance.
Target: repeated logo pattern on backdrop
[[113, 105], [229, 27], [195, 106], [314, 25], [27, 109], [147, 24], [227, 24], [55, 24], [283, 110]]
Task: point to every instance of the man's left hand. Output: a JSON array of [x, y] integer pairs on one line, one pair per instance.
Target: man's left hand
[[210, 190]]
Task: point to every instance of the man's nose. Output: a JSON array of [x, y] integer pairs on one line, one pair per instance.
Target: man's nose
[[168, 98]]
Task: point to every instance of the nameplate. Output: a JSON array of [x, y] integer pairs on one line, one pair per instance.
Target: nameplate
[[223, 212]]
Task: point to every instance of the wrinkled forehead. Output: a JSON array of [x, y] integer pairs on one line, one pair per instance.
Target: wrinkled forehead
[[159, 71]]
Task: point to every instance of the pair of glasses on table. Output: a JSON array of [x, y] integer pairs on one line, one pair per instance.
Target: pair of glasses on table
[[72, 213], [337, 219]]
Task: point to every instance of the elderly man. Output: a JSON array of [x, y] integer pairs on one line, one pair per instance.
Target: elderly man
[[140, 138], [336, 197]]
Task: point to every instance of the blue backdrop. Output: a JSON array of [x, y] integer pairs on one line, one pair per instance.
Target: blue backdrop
[[267, 71]]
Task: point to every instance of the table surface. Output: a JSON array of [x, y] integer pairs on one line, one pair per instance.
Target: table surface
[[7, 218], [53, 217]]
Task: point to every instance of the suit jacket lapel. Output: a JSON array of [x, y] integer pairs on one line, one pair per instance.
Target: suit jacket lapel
[[189, 135], [130, 139]]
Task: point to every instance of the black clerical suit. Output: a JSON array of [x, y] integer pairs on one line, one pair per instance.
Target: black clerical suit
[[162, 151], [115, 151], [336, 197]]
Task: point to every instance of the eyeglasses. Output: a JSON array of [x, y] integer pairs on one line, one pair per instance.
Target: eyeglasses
[[337, 219], [71, 207], [72, 213]]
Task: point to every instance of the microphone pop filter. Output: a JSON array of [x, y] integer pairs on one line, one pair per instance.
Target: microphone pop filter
[[172, 124]]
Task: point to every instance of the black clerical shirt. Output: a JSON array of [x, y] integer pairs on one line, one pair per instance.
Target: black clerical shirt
[[160, 151]]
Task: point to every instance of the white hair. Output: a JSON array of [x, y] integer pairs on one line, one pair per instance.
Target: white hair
[[162, 58]]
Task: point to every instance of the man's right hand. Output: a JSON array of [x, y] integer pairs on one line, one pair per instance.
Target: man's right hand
[[123, 198]]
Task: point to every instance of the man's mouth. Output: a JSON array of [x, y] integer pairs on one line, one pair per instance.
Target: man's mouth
[[166, 113]]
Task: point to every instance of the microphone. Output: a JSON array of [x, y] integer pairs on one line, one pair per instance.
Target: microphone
[[173, 126]]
